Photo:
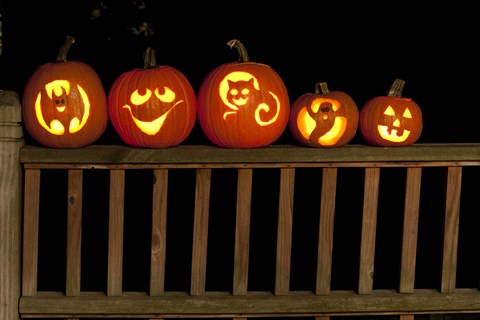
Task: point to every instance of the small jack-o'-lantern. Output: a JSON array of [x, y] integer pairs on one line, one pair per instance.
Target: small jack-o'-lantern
[[153, 107], [324, 118], [64, 103], [243, 104], [391, 120]]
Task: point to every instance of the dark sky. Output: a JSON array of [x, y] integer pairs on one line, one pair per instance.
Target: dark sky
[[358, 47]]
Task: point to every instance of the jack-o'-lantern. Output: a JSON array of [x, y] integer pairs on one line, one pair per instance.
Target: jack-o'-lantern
[[153, 107], [324, 118], [391, 120], [64, 103], [243, 104]]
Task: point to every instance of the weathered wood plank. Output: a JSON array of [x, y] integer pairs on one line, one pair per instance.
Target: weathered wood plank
[[200, 231], [369, 229], [242, 231], [30, 232], [325, 239], [216, 304], [159, 232], [450, 236], [410, 230], [196, 154], [74, 232], [11, 141], [115, 232], [284, 231]]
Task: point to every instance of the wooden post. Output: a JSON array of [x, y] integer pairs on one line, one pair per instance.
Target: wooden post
[[11, 140]]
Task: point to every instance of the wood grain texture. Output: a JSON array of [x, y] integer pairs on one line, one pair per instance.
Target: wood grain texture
[[11, 141], [242, 231], [325, 239], [369, 230], [450, 236], [74, 232], [287, 155], [115, 232], [410, 230], [284, 231], [159, 232], [200, 231]]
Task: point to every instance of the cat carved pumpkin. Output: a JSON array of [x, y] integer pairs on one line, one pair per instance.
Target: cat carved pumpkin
[[243, 104]]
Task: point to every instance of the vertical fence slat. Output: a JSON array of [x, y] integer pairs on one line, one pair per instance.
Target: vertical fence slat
[[115, 232], [410, 230], [30, 231], [284, 231], [450, 236], [74, 232], [369, 228], [159, 232], [200, 231], [325, 239], [242, 231]]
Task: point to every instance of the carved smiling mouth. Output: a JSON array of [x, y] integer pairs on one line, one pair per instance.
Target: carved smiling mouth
[[151, 127], [393, 135]]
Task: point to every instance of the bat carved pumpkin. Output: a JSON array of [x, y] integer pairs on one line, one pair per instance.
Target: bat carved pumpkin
[[153, 107], [324, 118], [391, 120], [64, 103], [243, 104]]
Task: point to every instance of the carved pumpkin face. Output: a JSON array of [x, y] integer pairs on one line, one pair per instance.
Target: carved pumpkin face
[[64, 104], [243, 104], [154, 107], [391, 120], [324, 118]]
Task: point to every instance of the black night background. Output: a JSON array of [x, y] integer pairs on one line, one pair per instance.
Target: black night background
[[356, 47], [359, 47]]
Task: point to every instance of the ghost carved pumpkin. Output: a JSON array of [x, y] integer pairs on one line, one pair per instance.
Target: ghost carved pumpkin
[[391, 120], [324, 118], [153, 107], [64, 103], [243, 104]]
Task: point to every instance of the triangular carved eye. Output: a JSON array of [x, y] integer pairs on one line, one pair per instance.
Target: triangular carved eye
[[389, 111], [407, 114]]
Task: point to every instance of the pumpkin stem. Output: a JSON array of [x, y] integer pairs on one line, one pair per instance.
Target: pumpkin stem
[[62, 55], [396, 88], [242, 51], [149, 62], [321, 88]]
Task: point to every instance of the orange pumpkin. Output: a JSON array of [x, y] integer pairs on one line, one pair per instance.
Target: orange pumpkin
[[153, 107], [391, 120], [243, 104], [64, 103], [324, 118]]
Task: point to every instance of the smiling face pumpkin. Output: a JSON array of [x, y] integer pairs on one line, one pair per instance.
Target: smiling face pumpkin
[[391, 120], [154, 107]]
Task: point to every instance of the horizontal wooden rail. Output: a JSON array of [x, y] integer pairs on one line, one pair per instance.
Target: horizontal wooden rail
[[274, 155], [215, 304]]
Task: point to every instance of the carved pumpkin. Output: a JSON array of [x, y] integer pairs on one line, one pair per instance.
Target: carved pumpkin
[[153, 107], [324, 118], [391, 120], [243, 104], [64, 103]]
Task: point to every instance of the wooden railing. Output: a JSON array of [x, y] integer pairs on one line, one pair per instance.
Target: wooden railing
[[311, 196]]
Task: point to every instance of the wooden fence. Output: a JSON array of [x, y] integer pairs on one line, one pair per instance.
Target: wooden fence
[[288, 231]]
